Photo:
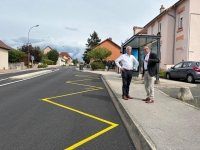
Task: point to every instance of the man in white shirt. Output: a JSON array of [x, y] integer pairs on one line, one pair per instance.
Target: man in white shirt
[[127, 68]]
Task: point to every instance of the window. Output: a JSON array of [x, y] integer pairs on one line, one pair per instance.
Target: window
[[187, 64], [159, 27], [152, 30], [180, 21], [178, 65]]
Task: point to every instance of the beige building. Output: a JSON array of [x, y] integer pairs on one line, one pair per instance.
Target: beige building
[[4, 55], [66, 57], [47, 49], [63, 59], [178, 26]]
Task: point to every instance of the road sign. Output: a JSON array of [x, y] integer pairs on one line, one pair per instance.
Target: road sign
[[32, 57]]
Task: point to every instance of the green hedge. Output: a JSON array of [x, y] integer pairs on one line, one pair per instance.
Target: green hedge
[[42, 66], [97, 65], [162, 73], [47, 61]]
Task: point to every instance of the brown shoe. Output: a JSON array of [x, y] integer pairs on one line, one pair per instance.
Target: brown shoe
[[146, 99], [124, 97], [129, 97], [150, 101]]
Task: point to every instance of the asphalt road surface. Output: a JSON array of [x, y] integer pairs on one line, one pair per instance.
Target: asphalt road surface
[[64, 109]]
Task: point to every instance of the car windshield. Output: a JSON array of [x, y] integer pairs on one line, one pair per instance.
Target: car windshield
[[198, 64]]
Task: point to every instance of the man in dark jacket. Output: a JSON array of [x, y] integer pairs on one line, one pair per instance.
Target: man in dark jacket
[[149, 71]]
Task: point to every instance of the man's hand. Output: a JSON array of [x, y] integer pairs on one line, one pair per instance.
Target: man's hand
[[122, 69], [146, 60]]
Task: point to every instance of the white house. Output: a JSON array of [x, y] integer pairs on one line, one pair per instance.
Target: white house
[[4, 55], [178, 26]]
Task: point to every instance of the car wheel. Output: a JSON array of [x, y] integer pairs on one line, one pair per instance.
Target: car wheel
[[190, 78], [168, 76]]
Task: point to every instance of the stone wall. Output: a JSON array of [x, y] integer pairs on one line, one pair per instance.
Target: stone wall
[[18, 66]]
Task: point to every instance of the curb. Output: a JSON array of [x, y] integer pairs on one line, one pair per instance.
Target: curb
[[139, 137], [25, 76]]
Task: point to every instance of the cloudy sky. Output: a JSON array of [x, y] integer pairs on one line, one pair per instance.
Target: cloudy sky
[[66, 25]]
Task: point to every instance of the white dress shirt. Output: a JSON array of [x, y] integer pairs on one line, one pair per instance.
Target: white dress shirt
[[128, 62], [146, 63]]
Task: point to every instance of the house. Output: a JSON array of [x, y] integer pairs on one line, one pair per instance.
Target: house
[[66, 56], [4, 55], [110, 45], [47, 49], [178, 26]]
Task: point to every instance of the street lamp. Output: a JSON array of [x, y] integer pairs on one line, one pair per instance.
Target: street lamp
[[28, 45]]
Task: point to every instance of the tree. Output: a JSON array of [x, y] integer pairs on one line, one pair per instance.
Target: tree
[[53, 55], [34, 51], [75, 61], [14, 56], [91, 42], [37, 53], [99, 54]]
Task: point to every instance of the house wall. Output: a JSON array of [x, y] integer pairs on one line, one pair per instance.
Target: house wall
[[181, 35], [186, 42], [69, 61], [47, 49], [114, 49], [193, 31], [4, 58], [166, 41]]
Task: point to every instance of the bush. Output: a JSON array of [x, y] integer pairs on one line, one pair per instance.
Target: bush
[[47, 61], [162, 73], [97, 65], [42, 66]]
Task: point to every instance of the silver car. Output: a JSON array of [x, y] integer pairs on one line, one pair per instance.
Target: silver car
[[187, 70]]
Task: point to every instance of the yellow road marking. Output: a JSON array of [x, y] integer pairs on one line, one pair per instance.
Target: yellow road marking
[[90, 138], [112, 125]]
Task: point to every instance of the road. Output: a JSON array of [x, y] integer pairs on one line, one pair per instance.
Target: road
[[64, 109]]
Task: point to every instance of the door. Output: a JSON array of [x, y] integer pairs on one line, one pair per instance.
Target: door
[[175, 72]]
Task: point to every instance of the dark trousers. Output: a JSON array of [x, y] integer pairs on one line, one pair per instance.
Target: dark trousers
[[126, 80]]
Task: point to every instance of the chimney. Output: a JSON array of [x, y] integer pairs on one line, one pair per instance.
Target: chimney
[[162, 8], [110, 38]]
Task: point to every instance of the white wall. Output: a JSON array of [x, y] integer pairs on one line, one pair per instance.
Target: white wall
[[3, 58], [182, 54], [194, 32]]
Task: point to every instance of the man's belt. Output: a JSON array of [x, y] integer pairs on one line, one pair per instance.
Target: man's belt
[[128, 70]]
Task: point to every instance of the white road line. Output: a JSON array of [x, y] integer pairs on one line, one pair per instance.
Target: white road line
[[4, 79], [22, 79]]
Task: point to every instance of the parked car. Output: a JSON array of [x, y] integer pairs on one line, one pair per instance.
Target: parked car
[[187, 70]]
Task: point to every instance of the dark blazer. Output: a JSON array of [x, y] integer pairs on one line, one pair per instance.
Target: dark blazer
[[152, 64]]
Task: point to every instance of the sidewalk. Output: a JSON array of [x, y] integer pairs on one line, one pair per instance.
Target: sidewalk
[[166, 124], [27, 69]]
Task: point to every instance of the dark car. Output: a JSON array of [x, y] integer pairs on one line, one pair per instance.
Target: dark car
[[187, 70]]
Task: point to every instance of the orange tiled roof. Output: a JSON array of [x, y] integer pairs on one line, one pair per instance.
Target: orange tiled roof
[[4, 46], [62, 54], [108, 39]]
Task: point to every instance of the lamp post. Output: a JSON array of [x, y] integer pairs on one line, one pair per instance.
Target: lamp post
[[28, 45]]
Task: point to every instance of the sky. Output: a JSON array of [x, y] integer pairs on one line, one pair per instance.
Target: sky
[[65, 25]]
